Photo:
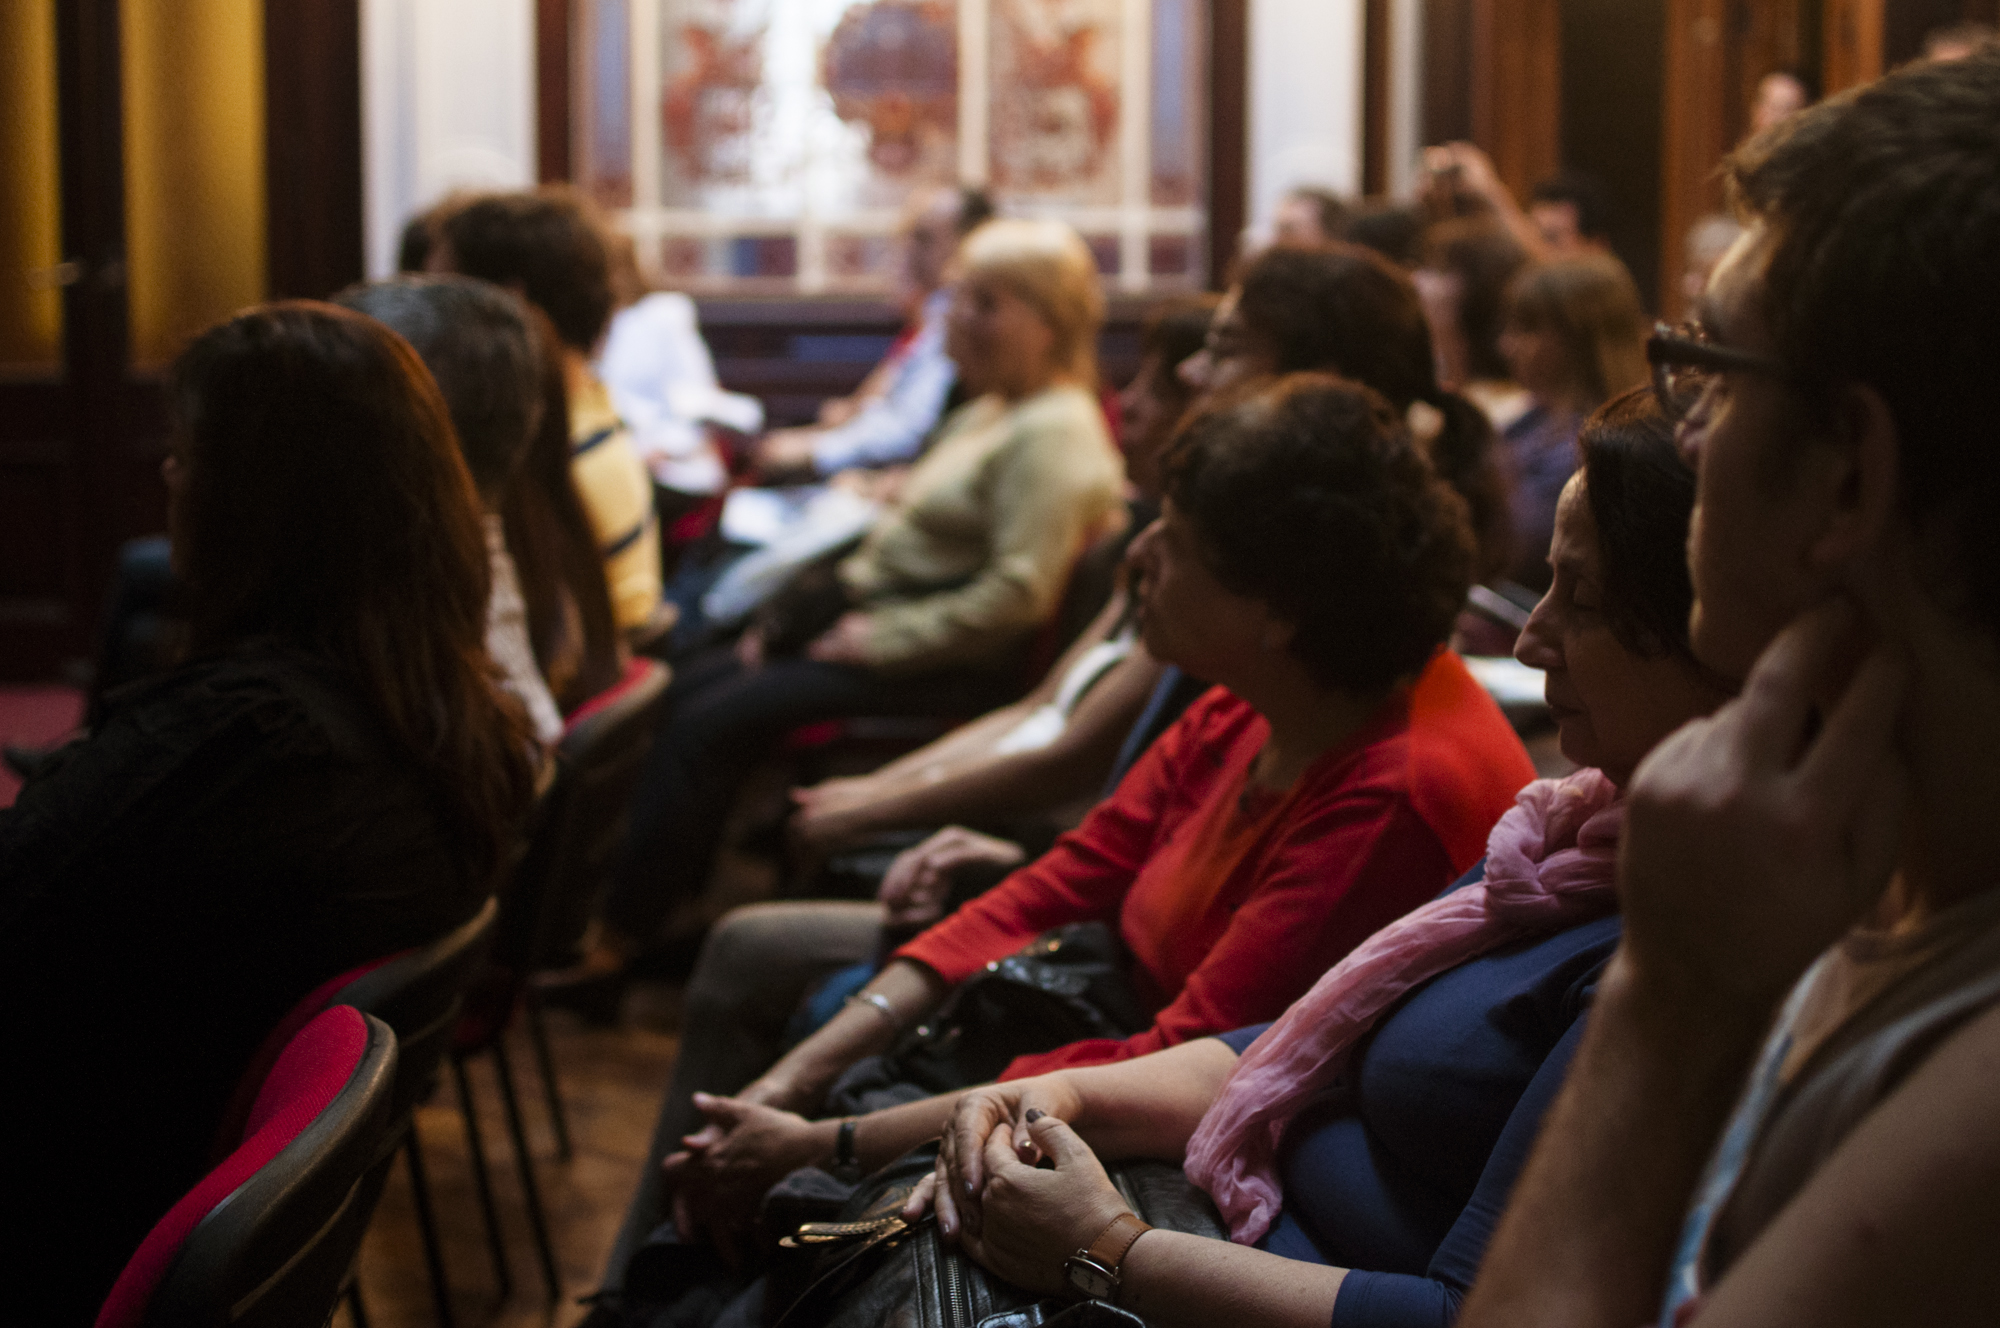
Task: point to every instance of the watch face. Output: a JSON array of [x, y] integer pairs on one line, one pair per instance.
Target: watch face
[[1090, 1278]]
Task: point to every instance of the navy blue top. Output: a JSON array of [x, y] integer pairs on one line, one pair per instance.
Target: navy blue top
[[1403, 1166]]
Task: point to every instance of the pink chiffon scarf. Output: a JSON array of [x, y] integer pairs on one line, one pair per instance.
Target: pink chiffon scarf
[[1551, 863]]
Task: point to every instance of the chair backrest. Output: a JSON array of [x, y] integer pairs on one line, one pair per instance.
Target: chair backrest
[[1093, 575], [418, 993], [581, 825], [268, 1235]]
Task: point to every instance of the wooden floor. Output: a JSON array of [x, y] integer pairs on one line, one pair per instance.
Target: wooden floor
[[612, 1082]]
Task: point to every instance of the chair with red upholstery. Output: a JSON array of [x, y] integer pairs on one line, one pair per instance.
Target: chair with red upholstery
[[549, 899], [268, 1235]]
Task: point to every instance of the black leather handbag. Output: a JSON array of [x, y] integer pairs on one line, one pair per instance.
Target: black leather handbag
[[1068, 984], [871, 1267]]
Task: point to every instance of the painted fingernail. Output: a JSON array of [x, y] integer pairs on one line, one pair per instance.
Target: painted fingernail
[[1035, 1114]]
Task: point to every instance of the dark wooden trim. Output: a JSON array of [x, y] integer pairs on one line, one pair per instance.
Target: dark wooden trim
[[552, 90], [1377, 39], [1517, 88], [1228, 133], [312, 150]]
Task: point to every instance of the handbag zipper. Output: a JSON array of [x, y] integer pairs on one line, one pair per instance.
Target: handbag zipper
[[958, 1301]]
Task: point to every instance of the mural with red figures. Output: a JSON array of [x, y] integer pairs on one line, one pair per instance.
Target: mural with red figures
[[1056, 130]]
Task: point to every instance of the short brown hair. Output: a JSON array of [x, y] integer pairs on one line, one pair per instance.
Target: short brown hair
[[1883, 210], [1591, 305], [550, 242]]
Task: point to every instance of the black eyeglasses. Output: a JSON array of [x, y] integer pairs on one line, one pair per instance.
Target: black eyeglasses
[[1685, 361]]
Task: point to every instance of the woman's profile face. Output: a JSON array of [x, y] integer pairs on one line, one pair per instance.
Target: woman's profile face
[[1186, 615], [1538, 360], [1233, 352], [1611, 705], [1148, 408], [997, 339]]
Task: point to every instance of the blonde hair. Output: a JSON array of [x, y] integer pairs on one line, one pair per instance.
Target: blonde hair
[[1049, 266], [1593, 307]]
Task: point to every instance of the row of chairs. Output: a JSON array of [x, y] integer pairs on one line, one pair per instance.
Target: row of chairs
[[269, 1236]]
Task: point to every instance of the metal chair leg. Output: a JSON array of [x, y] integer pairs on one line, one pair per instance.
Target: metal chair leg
[[530, 1193], [538, 1034], [420, 1191], [482, 1182]]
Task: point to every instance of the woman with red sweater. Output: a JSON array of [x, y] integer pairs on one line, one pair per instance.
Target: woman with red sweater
[[1346, 770]]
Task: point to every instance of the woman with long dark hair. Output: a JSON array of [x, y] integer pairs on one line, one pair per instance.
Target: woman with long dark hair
[[331, 775]]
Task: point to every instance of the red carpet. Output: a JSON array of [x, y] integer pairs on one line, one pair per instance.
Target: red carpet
[[35, 715]]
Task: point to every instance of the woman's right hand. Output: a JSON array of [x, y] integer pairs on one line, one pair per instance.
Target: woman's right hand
[[914, 888], [960, 1174]]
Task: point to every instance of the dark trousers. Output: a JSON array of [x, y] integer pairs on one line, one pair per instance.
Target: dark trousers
[[721, 720]]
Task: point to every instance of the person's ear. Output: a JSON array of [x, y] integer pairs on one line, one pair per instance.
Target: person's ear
[[1861, 483]]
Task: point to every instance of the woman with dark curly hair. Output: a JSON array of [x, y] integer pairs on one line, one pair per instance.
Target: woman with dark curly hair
[[1346, 767], [331, 776]]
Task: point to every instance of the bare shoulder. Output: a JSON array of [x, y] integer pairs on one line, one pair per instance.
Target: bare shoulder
[[1898, 1226]]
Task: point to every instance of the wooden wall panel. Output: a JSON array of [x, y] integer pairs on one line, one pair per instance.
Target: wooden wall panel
[[312, 117], [552, 90], [1376, 43], [1853, 32], [1228, 134], [1517, 88]]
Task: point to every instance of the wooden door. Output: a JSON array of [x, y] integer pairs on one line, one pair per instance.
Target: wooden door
[[162, 164]]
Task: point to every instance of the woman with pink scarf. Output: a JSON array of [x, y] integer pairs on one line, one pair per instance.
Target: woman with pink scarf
[[1361, 1148]]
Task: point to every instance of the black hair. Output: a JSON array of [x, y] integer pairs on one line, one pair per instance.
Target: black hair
[[1393, 230], [478, 345], [1309, 494], [1641, 496], [975, 209]]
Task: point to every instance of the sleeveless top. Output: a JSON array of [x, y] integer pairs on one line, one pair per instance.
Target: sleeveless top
[[1864, 1016]]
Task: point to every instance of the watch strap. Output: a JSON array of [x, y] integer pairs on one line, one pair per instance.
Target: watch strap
[[1109, 1249]]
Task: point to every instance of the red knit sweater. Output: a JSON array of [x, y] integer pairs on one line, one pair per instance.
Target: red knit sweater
[[1233, 899]]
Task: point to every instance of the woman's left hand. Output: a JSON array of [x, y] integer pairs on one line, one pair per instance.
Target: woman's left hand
[[743, 1150], [1033, 1219], [846, 642]]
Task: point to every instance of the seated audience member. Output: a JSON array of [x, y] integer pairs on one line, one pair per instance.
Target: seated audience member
[[1392, 229], [1309, 216], [1345, 768], [1317, 309], [662, 381], [1707, 241], [1057, 743], [549, 246], [1401, 1178], [1371, 1204], [479, 346], [1781, 94], [1468, 265], [1960, 41], [331, 776], [932, 614], [888, 417], [1782, 1112], [1574, 336], [571, 622], [1346, 310]]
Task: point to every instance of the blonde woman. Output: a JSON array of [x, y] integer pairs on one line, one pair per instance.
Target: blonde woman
[[1574, 337], [929, 615]]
